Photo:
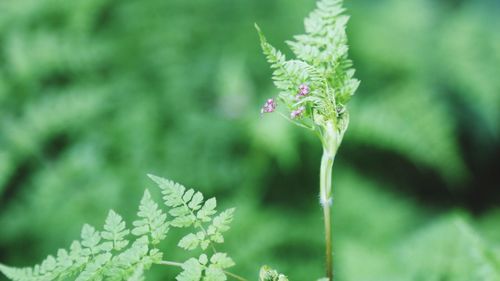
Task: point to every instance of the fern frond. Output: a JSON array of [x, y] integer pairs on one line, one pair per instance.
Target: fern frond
[[110, 255], [274, 56], [103, 254], [288, 75], [316, 85], [325, 46], [152, 222], [189, 209], [115, 231]]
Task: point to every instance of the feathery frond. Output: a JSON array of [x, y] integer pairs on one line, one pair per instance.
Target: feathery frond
[[320, 82], [110, 255], [189, 210]]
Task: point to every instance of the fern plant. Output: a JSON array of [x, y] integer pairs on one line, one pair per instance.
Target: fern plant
[[118, 252], [315, 88]]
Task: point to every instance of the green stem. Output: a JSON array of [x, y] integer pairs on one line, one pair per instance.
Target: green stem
[[178, 264], [326, 202]]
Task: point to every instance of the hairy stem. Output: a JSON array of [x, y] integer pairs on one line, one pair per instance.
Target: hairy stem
[[326, 202], [178, 264]]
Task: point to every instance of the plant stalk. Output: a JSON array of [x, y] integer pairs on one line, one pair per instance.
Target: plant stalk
[[326, 202], [327, 199]]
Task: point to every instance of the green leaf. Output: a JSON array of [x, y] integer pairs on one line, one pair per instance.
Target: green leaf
[[192, 271], [214, 274], [183, 221], [222, 221], [208, 210], [221, 260], [203, 259], [179, 211], [90, 238], [115, 231], [187, 196], [152, 222], [173, 192], [138, 274], [196, 201], [189, 242], [93, 269]]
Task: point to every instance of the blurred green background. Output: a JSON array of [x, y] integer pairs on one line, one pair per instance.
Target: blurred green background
[[94, 94]]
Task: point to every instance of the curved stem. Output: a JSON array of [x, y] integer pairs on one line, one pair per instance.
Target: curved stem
[[178, 264], [326, 202]]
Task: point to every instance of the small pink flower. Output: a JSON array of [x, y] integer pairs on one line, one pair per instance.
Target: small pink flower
[[269, 106], [298, 112], [303, 91]]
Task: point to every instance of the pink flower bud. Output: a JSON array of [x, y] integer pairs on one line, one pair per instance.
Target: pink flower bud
[[297, 113], [303, 89], [269, 106]]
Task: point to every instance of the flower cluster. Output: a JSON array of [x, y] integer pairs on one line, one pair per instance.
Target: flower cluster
[[270, 105]]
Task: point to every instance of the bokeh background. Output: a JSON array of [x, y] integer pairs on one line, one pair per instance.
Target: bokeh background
[[94, 94]]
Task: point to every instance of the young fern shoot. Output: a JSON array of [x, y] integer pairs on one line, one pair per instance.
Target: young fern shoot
[[315, 89], [119, 253]]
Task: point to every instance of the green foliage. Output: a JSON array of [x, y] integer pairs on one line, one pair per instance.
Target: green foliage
[[92, 258], [459, 253], [95, 93], [104, 254]]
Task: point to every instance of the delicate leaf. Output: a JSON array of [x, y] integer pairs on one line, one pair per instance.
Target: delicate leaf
[[115, 231], [221, 260], [192, 271], [172, 191], [196, 201], [90, 238], [208, 210], [153, 222], [214, 274], [189, 242]]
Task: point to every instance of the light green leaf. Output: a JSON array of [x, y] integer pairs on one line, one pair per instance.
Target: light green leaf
[[208, 210], [192, 271], [214, 274], [196, 201], [172, 191], [152, 222], [115, 231], [189, 242], [90, 238], [93, 270], [221, 260]]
